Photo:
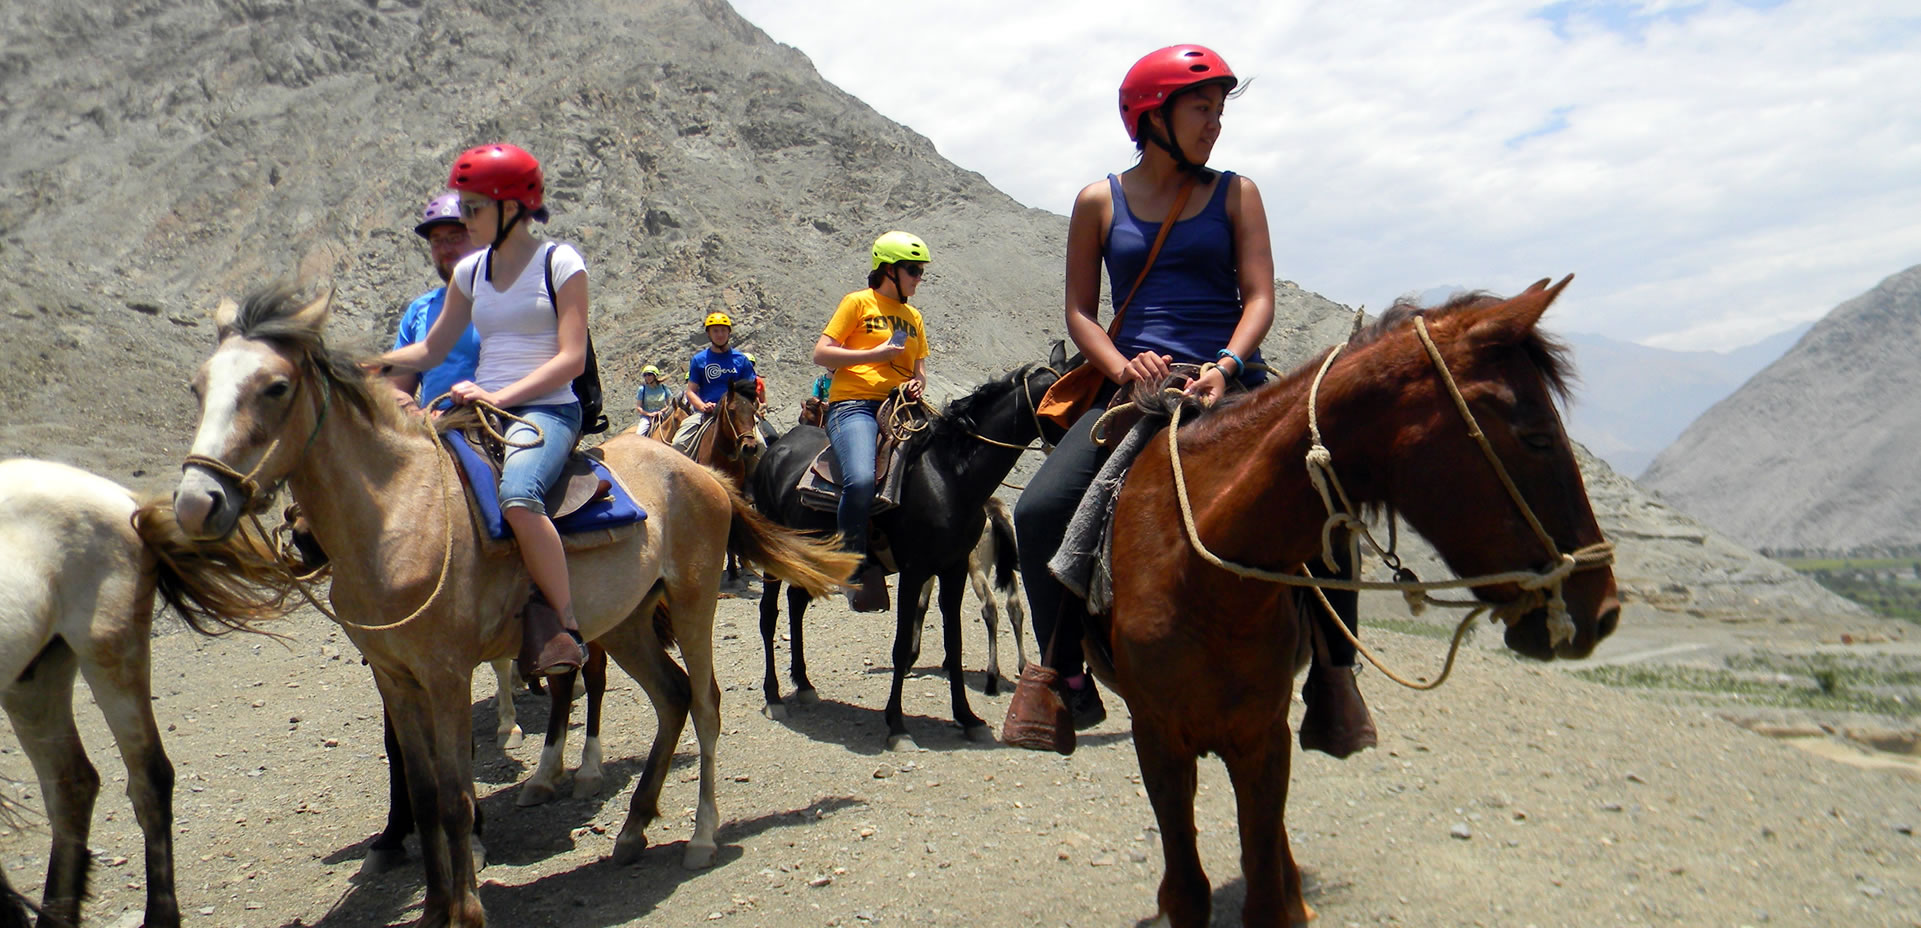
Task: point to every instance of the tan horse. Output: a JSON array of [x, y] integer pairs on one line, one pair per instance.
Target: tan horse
[[79, 570], [426, 601]]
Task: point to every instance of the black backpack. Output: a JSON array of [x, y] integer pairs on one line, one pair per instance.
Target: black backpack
[[593, 420]]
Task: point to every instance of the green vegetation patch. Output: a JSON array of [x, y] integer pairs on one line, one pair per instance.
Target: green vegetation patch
[[1417, 628], [1833, 688]]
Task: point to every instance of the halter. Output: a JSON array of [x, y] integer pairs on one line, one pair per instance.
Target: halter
[[1538, 586], [245, 483]]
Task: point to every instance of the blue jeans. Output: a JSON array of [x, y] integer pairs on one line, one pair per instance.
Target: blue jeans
[[853, 431], [528, 473]]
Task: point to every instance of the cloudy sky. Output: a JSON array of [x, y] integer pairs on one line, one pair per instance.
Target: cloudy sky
[[1713, 172]]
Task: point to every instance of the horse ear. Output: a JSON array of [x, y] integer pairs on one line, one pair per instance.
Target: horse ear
[[223, 318], [313, 316], [1512, 321], [1057, 356]]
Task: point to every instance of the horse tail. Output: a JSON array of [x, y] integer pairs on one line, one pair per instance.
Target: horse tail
[[816, 565], [1006, 556], [215, 586]]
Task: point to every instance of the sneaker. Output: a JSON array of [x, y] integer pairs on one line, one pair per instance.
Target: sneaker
[[1084, 704]]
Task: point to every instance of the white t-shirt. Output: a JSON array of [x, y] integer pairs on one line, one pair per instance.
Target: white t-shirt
[[519, 327]]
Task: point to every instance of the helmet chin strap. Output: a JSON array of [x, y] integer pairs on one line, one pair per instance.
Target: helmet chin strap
[[502, 226], [1165, 142]]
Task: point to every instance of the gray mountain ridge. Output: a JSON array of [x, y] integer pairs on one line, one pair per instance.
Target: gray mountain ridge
[[1822, 449], [159, 156], [1633, 400]]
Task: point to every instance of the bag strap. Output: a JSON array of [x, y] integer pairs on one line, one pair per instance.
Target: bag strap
[[1160, 238], [552, 298]]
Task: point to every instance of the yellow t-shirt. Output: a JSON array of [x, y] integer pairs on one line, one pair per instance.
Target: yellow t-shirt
[[864, 320]]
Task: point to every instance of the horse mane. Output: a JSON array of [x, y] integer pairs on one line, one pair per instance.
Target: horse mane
[[273, 314], [1550, 355], [746, 389], [958, 423]]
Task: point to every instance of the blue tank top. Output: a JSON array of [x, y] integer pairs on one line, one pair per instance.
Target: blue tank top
[[1191, 301]]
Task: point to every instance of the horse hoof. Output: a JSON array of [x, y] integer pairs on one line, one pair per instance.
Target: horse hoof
[[902, 743], [993, 685], [381, 860], [533, 794], [698, 856], [775, 711], [807, 696], [979, 734], [586, 787], [628, 849], [513, 739]]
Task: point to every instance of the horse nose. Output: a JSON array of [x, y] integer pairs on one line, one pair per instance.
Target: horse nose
[[194, 505], [1608, 618]]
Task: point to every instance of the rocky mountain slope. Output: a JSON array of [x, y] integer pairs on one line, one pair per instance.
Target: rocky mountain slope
[[1822, 449], [158, 156], [1633, 400]]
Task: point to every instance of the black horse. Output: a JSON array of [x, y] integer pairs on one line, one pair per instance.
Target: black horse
[[952, 470]]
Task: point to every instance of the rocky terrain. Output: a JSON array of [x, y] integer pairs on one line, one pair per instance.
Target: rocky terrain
[[158, 156], [1822, 449]]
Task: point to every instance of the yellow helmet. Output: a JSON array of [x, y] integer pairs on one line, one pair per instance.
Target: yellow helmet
[[898, 246], [718, 319], [651, 369]]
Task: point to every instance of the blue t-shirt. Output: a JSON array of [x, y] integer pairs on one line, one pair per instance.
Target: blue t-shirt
[[460, 363], [712, 371]]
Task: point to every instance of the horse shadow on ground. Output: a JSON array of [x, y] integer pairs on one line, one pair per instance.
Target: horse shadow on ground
[[598, 893], [1230, 898], [864, 731]]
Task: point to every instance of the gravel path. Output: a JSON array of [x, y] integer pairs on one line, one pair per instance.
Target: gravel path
[[1513, 796]]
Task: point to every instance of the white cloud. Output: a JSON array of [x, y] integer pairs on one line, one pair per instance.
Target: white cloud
[[1713, 172]]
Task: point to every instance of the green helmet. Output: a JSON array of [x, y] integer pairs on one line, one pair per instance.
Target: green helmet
[[899, 246]]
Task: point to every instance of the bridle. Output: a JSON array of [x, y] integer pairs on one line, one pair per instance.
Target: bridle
[[248, 488], [1539, 587], [1033, 414]]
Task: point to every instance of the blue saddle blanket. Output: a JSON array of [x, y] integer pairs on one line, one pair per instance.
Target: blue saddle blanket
[[612, 510]]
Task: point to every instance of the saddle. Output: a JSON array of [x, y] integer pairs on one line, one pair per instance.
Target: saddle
[[588, 503], [819, 484]]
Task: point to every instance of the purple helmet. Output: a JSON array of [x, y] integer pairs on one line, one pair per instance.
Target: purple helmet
[[443, 208]]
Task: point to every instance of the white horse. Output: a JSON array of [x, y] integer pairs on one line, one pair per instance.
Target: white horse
[[78, 574]]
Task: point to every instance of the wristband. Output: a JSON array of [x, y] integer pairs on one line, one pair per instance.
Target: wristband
[[1240, 366]]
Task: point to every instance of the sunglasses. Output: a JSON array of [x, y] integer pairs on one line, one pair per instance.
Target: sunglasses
[[471, 208], [914, 270]]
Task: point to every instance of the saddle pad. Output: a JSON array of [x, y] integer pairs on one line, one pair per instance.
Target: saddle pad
[[616, 508]]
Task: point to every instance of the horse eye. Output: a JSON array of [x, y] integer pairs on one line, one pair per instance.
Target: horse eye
[[277, 390], [1539, 441]]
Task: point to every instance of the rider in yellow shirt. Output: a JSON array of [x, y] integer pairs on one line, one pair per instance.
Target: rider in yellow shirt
[[875, 342]]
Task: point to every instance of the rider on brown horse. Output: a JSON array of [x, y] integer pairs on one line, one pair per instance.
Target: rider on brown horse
[[712, 370], [1208, 298]]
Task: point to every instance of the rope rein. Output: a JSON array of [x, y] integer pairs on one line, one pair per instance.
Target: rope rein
[[1539, 586], [443, 464]]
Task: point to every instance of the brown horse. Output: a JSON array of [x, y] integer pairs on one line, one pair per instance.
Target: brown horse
[[1206, 658], [426, 600], [83, 568]]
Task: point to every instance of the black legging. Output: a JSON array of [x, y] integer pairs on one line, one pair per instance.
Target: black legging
[[1040, 522]]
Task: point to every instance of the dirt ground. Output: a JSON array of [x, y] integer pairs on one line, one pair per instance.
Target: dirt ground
[[1515, 795]]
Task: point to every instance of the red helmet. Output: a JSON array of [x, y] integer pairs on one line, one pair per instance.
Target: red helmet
[[502, 172], [1162, 74]]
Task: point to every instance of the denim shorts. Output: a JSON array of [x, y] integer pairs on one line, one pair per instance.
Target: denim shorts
[[528, 473]]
